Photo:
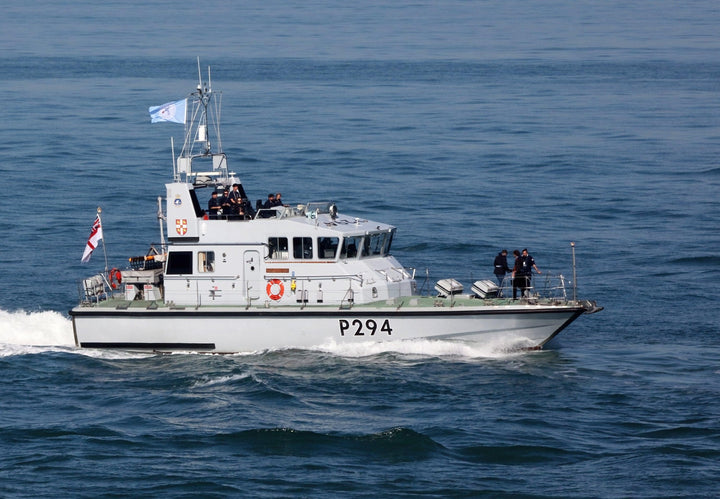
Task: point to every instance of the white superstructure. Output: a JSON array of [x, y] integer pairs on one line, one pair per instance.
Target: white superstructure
[[283, 276]]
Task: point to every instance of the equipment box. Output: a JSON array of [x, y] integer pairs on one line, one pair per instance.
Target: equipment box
[[485, 289], [142, 276], [447, 287]]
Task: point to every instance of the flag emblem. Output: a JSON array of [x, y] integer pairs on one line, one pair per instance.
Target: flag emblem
[[173, 112], [95, 236], [181, 226]]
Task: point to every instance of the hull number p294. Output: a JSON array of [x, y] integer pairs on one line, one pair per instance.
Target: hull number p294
[[357, 327]]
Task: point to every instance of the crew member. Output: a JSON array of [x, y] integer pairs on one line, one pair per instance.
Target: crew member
[[523, 272], [214, 206]]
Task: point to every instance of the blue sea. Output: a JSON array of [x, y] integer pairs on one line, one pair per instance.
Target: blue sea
[[472, 126]]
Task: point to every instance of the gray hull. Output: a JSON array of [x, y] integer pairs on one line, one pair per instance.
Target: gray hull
[[228, 330]]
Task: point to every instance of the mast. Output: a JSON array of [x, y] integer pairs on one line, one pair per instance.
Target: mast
[[572, 245], [161, 219], [197, 140], [99, 211], [202, 126]]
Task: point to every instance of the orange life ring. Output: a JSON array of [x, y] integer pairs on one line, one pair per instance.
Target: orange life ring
[[115, 275], [280, 289]]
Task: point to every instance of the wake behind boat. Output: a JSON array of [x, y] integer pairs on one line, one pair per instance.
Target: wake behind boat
[[237, 278]]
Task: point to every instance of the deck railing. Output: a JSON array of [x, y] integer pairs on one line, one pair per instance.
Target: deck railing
[[542, 286]]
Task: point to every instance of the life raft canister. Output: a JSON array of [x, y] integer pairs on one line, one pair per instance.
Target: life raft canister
[[113, 276], [275, 289]]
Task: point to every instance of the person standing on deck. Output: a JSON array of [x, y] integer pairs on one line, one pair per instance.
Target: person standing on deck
[[516, 254], [501, 267], [523, 272]]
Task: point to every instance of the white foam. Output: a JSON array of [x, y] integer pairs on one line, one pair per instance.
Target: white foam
[[429, 348], [27, 333], [220, 380], [40, 329]]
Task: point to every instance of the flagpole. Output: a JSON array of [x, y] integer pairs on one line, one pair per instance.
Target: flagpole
[[99, 210]]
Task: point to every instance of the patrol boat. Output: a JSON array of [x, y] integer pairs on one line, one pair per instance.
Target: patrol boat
[[287, 276]]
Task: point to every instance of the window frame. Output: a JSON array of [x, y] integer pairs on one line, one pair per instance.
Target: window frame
[[305, 252], [206, 262], [179, 263], [335, 247], [277, 251]]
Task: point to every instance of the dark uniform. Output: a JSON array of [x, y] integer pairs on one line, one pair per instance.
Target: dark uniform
[[270, 201], [225, 204], [248, 210], [501, 267], [214, 206], [235, 200], [523, 272]]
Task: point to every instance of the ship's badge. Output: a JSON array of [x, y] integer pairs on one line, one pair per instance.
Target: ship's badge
[[181, 226]]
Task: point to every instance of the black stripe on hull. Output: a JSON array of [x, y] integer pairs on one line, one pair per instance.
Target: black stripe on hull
[[149, 346]]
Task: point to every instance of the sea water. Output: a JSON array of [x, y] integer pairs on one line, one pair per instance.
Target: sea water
[[472, 127]]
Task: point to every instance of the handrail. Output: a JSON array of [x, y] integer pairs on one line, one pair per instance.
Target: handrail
[[352, 277], [404, 273], [543, 286], [205, 276]]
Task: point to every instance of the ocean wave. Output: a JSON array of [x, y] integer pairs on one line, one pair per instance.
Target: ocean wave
[[20, 434], [29, 333], [710, 171], [42, 328], [221, 380], [399, 443], [682, 433], [704, 261], [520, 454], [428, 348]]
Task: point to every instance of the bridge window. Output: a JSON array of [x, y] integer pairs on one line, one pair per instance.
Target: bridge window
[[327, 247], [278, 248], [388, 243], [179, 262], [302, 248], [351, 246], [377, 243]]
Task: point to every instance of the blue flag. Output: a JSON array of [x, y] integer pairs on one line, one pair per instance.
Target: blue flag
[[173, 112]]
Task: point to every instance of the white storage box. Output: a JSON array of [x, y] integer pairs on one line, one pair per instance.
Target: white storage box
[[142, 276], [485, 289], [151, 293], [130, 292], [447, 287]]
